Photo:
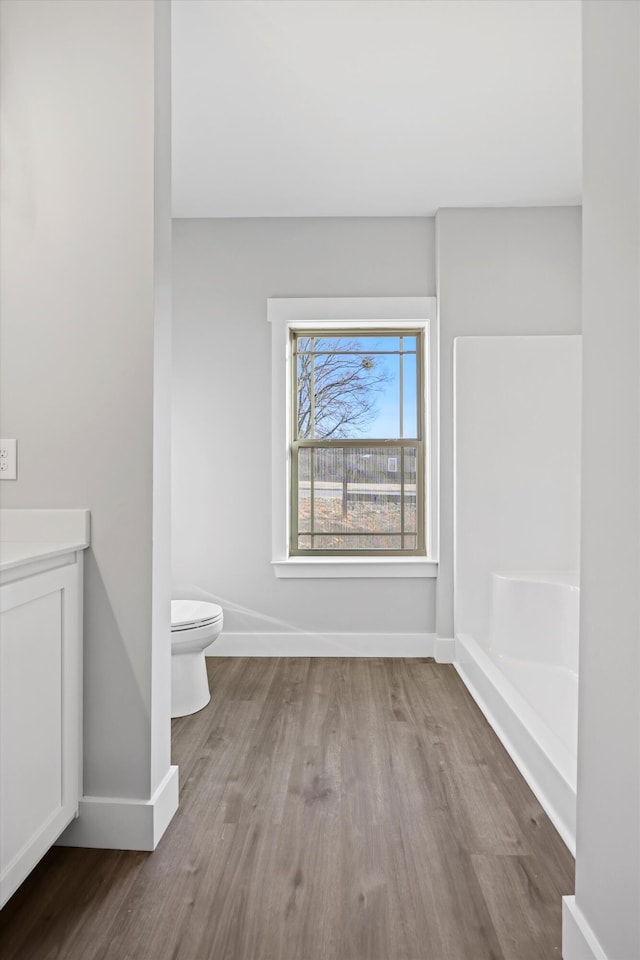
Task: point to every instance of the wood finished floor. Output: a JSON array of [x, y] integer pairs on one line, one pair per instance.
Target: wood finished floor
[[330, 809]]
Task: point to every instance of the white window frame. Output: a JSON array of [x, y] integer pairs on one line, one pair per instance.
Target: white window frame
[[334, 314]]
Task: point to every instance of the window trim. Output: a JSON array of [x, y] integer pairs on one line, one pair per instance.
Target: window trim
[[333, 314]]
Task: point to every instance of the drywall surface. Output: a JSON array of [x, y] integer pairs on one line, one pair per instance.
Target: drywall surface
[[224, 271], [499, 272], [161, 520], [517, 465], [608, 822], [77, 299]]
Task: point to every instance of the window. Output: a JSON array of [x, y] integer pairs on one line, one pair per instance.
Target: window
[[354, 437], [357, 451]]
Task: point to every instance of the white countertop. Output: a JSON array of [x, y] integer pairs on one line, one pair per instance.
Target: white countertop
[[30, 535], [14, 553]]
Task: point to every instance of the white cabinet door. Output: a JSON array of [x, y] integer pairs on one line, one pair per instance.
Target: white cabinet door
[[39, 717]]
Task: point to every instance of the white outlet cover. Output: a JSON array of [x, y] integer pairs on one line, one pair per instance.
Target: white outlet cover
[[8, 459]]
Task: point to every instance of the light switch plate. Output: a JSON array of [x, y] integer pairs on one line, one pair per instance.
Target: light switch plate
[[8, 459]]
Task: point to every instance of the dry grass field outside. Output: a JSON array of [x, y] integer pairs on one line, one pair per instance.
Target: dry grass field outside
[[378, 519]]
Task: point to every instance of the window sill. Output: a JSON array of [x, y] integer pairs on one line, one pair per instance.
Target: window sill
[[355, 567]]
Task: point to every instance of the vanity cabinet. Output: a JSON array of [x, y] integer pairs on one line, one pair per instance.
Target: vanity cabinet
[[40, 708]]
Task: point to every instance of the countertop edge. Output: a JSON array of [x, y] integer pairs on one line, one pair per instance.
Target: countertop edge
[[17, 553]]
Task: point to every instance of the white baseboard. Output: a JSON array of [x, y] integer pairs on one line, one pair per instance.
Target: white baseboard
[[112, 823], [322, 645], [579, 942], [445, 649]]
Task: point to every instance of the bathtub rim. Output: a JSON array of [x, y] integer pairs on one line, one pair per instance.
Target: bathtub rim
[[568, 578], [563, 583]]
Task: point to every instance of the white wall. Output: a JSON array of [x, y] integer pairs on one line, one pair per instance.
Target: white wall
[[605, 910], [80, 208], [161, 536], [224, 272], [517, 465], [499, 271]]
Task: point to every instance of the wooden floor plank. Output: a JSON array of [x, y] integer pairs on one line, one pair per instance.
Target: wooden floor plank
[[330, 809], [70, 895], [301, 908], [456, 921], [532, 929], [258, 781]]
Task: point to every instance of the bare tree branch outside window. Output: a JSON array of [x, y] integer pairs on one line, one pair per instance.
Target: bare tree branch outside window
[[346, 387]]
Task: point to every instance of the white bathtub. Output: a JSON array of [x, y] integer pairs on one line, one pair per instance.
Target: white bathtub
[[535, 620], [527, 682]]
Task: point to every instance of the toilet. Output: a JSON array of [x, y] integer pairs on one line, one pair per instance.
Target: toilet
[[194, 625]]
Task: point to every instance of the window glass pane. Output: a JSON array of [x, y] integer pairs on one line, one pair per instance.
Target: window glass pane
[[410, 490], [357, 489], [382, 398], [358, 388], [346, 492], [328, 465], [354, 395], [352, 498], [409, 397], [373, 489], [355, 381], [304, 490], [303, 397]]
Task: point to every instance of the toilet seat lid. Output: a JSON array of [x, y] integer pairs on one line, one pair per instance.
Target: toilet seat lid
[[193, 612]]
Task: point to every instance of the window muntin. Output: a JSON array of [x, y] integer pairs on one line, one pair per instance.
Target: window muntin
[[357, 450]]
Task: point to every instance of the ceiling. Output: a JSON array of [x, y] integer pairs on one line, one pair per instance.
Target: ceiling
[[303, 108]]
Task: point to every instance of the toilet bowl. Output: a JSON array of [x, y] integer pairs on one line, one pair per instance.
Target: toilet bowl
[[194, 625]]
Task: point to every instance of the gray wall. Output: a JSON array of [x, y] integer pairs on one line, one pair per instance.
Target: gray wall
[[503, 272], [511, 271], [608, 816], [78, 296], [224, 271]]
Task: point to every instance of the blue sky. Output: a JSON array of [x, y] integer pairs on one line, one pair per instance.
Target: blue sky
[[387, 420], [386, 423]]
